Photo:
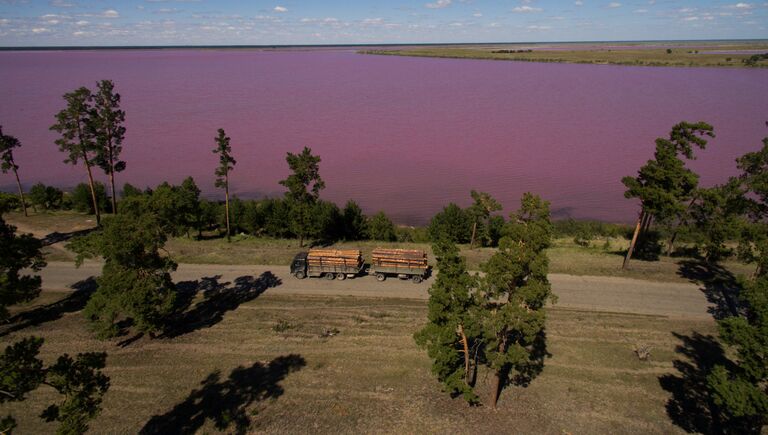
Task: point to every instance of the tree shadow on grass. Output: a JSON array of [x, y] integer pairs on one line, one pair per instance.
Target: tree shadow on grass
[[691, 407], [226, 402], [219, 298], [56, 237], [75, 301], [718, 284]]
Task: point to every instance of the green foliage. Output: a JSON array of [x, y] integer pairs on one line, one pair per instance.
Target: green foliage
[[381, 228], [741, 390], [7, 144], [73, 123], [514, 292], [226, 161], [17, 253], [9, 202], [480, 212], [664, 183], [355, 225], [130, 191], [716, 218], [81, 198], [79, 380], [452, 222], [589, 229], [135, 281], [452, 310], [106, 124], [46, 197], [304, 185], [753, 244]]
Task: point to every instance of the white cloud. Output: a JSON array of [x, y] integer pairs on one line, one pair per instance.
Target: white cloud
[[691, 19], [640, 11], [81, 23], [535, 27], [280, 9], [740, 6], [40, 30], [4, 21], [61, 3], [614, 5], [526, 9], [439, 4], [578, 3], [110, 13], [477, 14]]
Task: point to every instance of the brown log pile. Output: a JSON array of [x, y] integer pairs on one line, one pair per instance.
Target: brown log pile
[[410, 258], [335, 257]]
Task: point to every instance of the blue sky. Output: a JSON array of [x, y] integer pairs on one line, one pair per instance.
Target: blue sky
[[203, 22]]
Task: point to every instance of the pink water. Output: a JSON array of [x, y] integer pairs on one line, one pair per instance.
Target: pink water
[[406, 135]]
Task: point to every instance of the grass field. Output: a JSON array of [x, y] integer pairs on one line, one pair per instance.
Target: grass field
[[565, 256], [269, 364], [693, 55]]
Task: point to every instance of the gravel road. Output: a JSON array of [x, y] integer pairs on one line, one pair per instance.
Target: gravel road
[[593, 293]]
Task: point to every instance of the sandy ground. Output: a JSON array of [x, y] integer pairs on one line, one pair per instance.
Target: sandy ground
[[596, 293]]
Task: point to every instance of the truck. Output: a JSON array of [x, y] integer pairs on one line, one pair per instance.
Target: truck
[[328, 263], [402, 263]]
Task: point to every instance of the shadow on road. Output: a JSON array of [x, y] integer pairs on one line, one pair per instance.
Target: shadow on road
[[75, 301], [56, 237], [718, 284], [218, 298], [690, 406], [226, 402]]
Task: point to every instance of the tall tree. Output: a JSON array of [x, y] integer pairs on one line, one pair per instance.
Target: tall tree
[[716, 215], [304, 185], [226, 164], [354, 221], [17, 254], [77, 140], [380, 227], [740, 390], [480, 210], [135, 281], [107, 124], [514, 292], [7, 144], [753, 245], [451, 222], [451, 332], [664, 184]]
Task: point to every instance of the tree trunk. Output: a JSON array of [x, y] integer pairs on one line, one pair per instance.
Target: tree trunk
[[301, 240], [683, 221], [93, 190], [112, 182], [634, 239], [226, 206], [21, 191], [496, 388], [671, 244], [472, 241], [465, 344]]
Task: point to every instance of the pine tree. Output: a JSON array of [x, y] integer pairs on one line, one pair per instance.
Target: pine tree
[[753, 244], [107, 124], [664, 184], [514, 292], [481, 210], [75, 124], [226, 164], [304, 185], [451, 332], [7, 163]]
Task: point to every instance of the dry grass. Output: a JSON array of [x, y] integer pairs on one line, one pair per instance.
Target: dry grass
[[370, 377], [691, 56]]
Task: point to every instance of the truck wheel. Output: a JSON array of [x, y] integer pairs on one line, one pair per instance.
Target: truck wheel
[[341, 276], [300, 274], [380, 277], [417, 279], [330, 276]]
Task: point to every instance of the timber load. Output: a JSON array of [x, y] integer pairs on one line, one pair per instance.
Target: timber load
[[407, 258], [335, 257]]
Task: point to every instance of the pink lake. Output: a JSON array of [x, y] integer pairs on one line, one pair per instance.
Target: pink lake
[[406, 135]]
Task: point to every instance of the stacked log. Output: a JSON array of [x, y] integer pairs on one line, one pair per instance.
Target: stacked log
[[410, 258], [335, 257]]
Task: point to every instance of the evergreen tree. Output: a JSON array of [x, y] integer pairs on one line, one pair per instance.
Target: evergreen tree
[[226, 164], [47, 197], [480, 212], [135, 281], [741, 390], [451, 222], [664, 184], [716, 216], [380, 227], [7, 163], [82, 198], [107, 125], [753, 244], [451, 332], [304, 185], [513, 294], [77, 140], [354, 222], [17, 254]]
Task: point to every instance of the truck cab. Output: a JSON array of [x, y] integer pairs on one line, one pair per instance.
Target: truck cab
[[299, 265]]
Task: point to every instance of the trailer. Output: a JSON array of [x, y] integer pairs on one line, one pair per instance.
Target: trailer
[[327, 263], [401, 263]]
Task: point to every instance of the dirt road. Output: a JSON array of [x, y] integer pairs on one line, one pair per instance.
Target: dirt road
[[594, 293]]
